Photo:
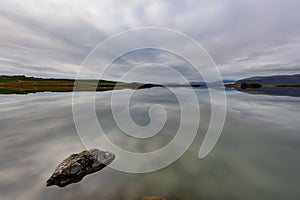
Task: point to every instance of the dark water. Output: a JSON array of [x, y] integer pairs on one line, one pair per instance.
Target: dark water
[[256, 157]]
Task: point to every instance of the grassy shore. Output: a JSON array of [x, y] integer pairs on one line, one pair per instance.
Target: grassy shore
[[25, 85]]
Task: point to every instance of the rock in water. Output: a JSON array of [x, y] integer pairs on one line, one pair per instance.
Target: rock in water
[[77, 166]]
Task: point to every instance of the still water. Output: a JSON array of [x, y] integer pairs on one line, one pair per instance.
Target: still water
[[256, 157]]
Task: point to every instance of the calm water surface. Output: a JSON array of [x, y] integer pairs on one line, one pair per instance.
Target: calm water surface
[[256, 157]]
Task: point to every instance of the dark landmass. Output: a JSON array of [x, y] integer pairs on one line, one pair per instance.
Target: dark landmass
[[77, 166], [280, 85], [26, 85]]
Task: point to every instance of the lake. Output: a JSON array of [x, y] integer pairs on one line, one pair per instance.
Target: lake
[[256, 156]]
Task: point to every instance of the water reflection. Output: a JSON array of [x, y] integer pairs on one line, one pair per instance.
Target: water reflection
[[274, 91], [257, 156]]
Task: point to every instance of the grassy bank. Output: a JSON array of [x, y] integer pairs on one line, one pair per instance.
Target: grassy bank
[[25, 85]]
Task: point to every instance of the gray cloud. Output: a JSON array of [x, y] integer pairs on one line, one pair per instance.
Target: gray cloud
[[46, 38]]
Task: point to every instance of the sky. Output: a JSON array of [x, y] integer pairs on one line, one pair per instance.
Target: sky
[[48, 38]]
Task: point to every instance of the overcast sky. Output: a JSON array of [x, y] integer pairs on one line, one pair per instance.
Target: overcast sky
[[244, 38]]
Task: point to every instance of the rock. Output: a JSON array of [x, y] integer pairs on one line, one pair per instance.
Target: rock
[[77, 166]]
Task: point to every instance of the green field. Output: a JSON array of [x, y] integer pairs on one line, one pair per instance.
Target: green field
[[25, 85]]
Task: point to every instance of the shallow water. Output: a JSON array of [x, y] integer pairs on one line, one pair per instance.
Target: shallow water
[[256, 157]]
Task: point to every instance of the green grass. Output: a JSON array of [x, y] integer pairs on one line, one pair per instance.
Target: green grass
[[25, 85], [5, 79], [7, 91]]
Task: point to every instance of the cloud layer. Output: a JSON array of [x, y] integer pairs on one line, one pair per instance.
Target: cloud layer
[[245, 38]]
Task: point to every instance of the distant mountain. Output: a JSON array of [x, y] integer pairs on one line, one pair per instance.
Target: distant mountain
[[278, 79], [280, 85]]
